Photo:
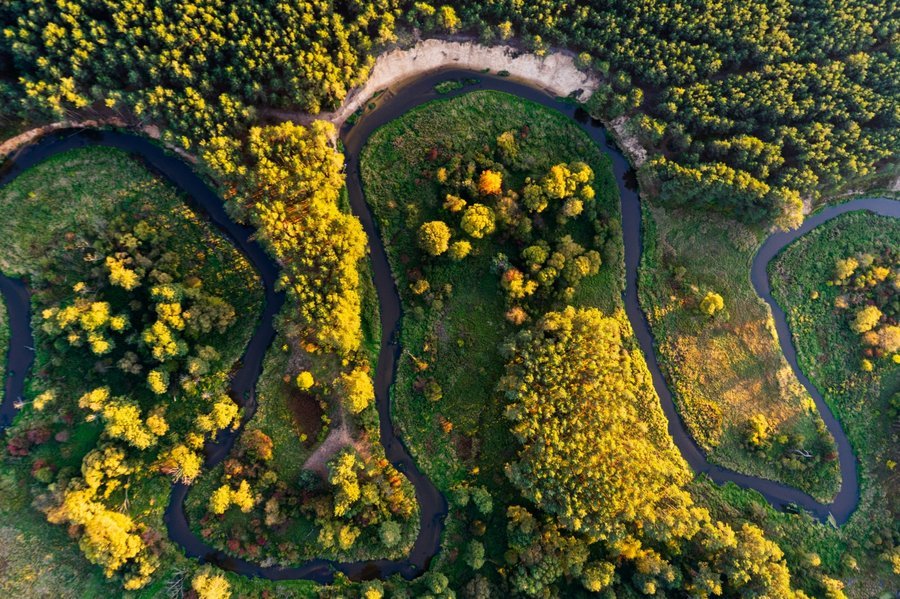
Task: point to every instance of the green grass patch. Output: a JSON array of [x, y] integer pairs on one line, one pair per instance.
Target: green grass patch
[[464, 438], [76, 190], [725, 369]]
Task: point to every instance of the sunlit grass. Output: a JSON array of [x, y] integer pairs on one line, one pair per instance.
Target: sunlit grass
[[726, 369], [464, 437]]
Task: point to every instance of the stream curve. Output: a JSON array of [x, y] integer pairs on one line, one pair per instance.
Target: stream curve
[[433, 506]]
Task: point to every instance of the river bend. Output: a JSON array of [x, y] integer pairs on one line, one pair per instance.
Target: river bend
[[432, 504]]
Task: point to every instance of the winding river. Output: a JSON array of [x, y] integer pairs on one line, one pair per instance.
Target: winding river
[[433, 506]]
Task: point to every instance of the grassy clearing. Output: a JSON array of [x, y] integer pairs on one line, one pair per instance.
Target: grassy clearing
[[75, 190], [38, 559], [464, 437], [274, 416], [726, 369]]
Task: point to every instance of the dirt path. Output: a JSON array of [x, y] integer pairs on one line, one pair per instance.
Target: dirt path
[[338, 438]]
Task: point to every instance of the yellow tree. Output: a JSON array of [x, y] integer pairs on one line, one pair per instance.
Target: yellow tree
[[434, 237], [711, 303], [220, 500], [343, 475], [490, 183], [478, 221], [356, 390], [866, 319], [182, 464], [208, 584]]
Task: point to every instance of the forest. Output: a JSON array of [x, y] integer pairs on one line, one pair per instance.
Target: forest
[[745, 109], [521, 390]]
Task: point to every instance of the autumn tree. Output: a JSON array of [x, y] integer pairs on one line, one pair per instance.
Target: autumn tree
[[434, 237], [490, 183], [711, 303], [866, 319], [305, 380], [478, 221], [210, 585], [355, 390], [459, 250]]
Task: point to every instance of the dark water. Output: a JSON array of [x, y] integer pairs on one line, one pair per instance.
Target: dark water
[[433, 506], [779, 495]]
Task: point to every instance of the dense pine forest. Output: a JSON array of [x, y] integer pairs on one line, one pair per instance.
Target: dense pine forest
[[520, 388], [747, 108]]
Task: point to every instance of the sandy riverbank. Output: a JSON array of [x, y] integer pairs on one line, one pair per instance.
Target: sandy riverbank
[[555, 72]]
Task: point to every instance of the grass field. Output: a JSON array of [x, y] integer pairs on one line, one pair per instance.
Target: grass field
[[82, 191], [464, 437], [828, 353], [726, 369]]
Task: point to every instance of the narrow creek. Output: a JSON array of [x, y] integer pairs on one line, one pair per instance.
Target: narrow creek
[[432, 504]]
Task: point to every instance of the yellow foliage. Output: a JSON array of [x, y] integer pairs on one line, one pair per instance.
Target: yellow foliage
[[94, 400], [490, 183], [120, 275], [434, 237], [209, 585], [305, 380], [157, 423], [182, 464], [158, 381], [866, 319], [459, 249], [478, 221], [220, 500], [356, 390], [41, 401], [712, 303], [243, 497], [123, 421]]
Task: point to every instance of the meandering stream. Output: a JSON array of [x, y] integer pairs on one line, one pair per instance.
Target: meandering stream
[[433, 506]]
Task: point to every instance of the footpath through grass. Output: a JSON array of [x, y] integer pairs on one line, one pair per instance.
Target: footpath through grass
[[727, 369]]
